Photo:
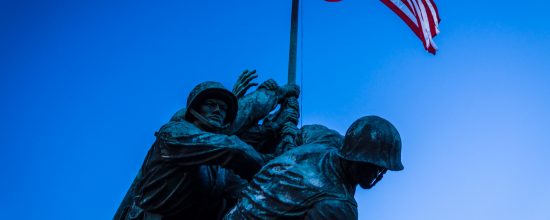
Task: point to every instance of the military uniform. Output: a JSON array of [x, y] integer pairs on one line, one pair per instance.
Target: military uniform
[[318, 179], [190, 173], [184, 173], [303, 183]]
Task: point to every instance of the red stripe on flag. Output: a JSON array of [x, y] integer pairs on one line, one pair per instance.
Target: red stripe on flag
[[404, 17], [431, 21], [418, 26], [410, 7], [426, 14], [436, 11], [427, 19]]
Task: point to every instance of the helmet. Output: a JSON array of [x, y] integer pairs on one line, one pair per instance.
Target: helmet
[[374, 140], [210, 89]]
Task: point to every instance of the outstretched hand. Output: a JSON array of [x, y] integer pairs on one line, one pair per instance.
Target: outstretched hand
[[244, 82], [270, 84]]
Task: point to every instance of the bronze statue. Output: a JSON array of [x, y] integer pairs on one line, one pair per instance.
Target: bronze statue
[[194, 168], [203, 159], [318, 179]]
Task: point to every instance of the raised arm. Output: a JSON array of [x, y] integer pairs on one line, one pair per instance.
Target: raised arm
[[185, 145], [255, 106]]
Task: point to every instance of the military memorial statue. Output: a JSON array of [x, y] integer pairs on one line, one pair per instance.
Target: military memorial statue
[[317, 180], [234, 155], [196, 167]]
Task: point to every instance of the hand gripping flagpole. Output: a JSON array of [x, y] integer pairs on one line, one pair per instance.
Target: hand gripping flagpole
[[292, 54]]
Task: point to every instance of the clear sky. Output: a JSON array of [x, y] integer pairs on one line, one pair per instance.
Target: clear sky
[[85, 84]]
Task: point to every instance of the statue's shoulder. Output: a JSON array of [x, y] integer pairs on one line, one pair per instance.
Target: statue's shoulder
[[179, 115], [320, 134], [305, 157], [312, 149], [178, 127]]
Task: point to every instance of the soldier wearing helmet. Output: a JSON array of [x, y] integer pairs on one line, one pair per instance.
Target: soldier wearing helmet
[[211, 107], [318, 180], [195, 168], [252, 108], [191, 170]]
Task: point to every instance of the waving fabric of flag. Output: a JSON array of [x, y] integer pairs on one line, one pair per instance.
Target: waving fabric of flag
[[421, 16]]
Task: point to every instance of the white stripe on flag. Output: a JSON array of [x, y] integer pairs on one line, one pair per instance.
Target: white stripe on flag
[[421, 16]]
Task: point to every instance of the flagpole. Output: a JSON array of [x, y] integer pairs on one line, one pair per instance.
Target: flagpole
[[291, 65], [292, 54]]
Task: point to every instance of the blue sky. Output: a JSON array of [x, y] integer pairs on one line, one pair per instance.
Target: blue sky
[[85, 84]]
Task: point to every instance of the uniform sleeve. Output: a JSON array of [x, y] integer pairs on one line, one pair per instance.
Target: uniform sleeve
[[262, 138], [332, 209], [252, 108], [186, 145]]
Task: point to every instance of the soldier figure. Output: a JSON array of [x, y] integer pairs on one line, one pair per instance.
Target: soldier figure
[[318, 180], [188, 172]]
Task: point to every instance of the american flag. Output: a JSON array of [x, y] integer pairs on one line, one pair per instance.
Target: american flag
[[420, 15]]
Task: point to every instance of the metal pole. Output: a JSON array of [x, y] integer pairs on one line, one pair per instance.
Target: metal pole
[[291, 63], [293, 43]]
